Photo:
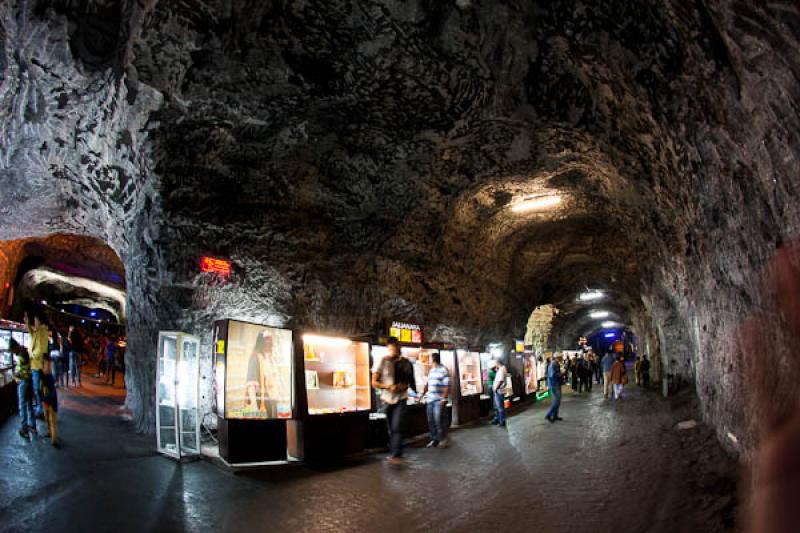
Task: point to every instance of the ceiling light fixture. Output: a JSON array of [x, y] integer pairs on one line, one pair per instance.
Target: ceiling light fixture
[[599, 314], [588, 296], [537, 203]]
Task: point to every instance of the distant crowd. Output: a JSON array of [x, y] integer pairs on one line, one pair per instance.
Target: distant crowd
[[54, 359]]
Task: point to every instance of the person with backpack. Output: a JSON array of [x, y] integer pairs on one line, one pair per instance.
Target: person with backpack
[[393, 376], [584, 374]]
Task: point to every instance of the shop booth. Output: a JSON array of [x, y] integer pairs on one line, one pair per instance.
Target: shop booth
[[177, 394], [253, 373], [8, 389], [334, 397]]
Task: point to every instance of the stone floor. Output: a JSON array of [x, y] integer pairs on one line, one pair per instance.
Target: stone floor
[[608, 467]]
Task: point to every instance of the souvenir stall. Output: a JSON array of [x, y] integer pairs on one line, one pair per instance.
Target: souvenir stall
[[8, 388], [468, 385], [334, 397], [177, 394], [253, 374]]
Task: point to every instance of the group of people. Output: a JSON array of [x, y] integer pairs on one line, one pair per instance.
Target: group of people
[[53, 360], [36, 383], [393, 375]]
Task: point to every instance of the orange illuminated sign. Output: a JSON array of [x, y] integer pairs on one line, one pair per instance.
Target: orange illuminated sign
[[215, 266]]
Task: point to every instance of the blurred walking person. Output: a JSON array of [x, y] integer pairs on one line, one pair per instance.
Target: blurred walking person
[[619, 377], [393, 375], [49, 398], [637, 371], [40, 337], [606, 363], [23, 377]]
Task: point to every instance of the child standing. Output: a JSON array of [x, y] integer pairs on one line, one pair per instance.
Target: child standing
[[49, 397]]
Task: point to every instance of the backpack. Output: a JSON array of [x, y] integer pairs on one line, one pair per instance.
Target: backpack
[[404, 373]]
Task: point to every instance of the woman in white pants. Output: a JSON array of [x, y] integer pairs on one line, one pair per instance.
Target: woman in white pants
[[619, 377]]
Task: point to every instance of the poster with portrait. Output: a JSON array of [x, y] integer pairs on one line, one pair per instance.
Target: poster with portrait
[[258, 372]]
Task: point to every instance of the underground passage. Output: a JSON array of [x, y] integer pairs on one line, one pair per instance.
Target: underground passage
[[391, 265]]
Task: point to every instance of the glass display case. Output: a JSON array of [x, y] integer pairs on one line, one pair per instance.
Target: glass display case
[[6, 359], [177, 393], [469, 366], [253, 371], [337, 370]]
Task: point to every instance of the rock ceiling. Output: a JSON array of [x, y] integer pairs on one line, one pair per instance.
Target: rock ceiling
[[359, 160]]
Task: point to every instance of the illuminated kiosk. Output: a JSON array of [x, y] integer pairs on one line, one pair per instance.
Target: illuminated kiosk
[[333, 398], [8, 387], [467, 386], [177, 393], [253, 383]]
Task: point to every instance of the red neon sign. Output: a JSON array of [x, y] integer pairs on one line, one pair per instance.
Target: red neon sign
[[215, 266]]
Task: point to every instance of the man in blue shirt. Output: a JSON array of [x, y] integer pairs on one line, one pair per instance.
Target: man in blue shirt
[[554, 384], [606, 363], [437, 389]]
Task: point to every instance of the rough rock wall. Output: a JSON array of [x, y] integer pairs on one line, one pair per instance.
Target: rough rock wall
[[357, 160]]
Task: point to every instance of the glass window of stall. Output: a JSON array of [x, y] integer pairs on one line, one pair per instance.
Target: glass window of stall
[[469, 366], [336, 374], [448, 358]]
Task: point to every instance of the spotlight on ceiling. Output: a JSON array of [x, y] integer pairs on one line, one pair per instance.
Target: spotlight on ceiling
[[44, 302], [609, 324], [589, 296], [599, 314], [610, 335], [537, 203]]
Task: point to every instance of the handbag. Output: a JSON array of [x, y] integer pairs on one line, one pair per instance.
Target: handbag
[[625, 378]]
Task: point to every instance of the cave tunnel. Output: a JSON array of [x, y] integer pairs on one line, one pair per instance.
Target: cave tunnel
[[484, 172], [75, 285]]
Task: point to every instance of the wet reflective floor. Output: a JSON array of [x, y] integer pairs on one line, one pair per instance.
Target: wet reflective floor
[[608, 467]]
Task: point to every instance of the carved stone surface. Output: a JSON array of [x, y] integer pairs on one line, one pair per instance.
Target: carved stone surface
[[357, 160]]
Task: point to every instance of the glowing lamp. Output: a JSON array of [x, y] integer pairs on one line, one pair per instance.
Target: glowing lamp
[[215, 266], [590, 295], [319, 340], [609, 324], [610, 335], [599, 314], [538, 203]]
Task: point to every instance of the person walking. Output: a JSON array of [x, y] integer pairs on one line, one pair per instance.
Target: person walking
[[436, 392], [24, 380], [541, 373], [584, 374], [101, 356], [637, 370], [619, 377], [554, 384], [499, 393], [49, 398], [573, 374], [111, 360], [606, 363], [591, 365], [598, 370], [40, 336], [645, 368], [54, 350], [393, 376]]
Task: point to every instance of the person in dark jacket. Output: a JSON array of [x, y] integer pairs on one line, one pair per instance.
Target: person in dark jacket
[[554, 384], [645, 369]]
